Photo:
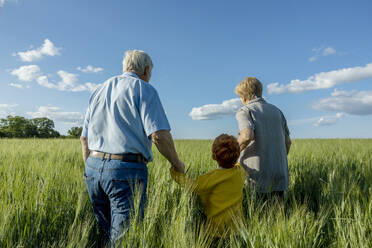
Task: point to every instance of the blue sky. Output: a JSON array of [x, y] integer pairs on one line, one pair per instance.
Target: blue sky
[[313, 57]]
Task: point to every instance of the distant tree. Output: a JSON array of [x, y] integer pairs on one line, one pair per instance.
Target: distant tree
[[17, 127], [20, 127], [75, 132], [45, 127]]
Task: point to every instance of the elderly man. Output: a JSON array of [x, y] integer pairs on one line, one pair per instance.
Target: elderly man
[[264, 140], [123, 118]]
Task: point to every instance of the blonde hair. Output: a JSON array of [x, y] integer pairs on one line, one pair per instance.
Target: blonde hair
[[249, 88], [136, 61]]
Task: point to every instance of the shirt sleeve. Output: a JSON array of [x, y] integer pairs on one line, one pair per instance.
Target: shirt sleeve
[[244, 120], [152, 113], [84, 133], [285, 126]]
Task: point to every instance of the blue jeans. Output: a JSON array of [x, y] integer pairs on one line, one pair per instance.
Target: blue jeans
[[111, 185]]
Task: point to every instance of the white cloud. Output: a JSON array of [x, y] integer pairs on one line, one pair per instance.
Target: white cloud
[[55, 114], [47, 49], [2, 3], [19, 86], [68, 83], [91, 86], [321, 51], [328, 120], [7, 106], [6, 109], [43, 81], [214, 111], [26, 73], [317, 121], [323, 80], [328, 51], [349, 102], [90, 69]]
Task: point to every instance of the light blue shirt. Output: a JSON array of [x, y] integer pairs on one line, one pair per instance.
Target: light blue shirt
[[121, 116]]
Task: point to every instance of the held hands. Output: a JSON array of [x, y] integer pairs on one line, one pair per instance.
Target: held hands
[[179, 166]]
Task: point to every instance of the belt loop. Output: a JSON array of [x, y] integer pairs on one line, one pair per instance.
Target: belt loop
[[109, 158], [103, 156]]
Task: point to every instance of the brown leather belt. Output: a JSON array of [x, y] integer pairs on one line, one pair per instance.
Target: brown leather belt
[[125, 157]]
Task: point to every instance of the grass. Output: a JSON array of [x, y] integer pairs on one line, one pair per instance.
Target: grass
[[44, 203]]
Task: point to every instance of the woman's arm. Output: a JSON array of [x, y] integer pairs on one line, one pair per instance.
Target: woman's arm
[[246, 128], [245, 136]]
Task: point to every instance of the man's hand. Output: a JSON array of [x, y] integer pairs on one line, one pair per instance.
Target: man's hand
[[164, 142], [245, 136], [180, 167], [288, 143], [84, 148]]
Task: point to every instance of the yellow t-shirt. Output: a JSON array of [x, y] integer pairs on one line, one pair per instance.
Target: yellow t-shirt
[[221, 192]]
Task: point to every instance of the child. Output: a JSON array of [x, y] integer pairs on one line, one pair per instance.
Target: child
[[220, 190]]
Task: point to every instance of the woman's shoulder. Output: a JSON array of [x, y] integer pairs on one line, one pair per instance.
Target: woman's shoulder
[[243, 111]]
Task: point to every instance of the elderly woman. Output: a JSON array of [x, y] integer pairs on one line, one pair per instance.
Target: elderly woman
[[263, 139]]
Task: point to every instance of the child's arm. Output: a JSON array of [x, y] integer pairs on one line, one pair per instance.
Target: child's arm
[[181, 178], [197, 186]]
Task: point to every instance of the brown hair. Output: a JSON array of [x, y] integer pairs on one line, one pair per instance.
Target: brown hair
[[249, 88], [225, 150]]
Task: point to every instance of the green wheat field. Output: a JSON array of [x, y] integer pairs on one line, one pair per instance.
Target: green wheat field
[[44, 203]]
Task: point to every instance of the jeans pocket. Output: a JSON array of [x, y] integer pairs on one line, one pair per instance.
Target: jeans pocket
[[88, 177]]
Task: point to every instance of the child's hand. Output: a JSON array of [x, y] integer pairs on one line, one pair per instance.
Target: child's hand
[[180, 177], [179, 167]]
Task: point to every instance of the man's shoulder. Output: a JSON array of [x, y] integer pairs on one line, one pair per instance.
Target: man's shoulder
[[113, 79], [147, 86], [135, 81], [103, 86], [128, 80]]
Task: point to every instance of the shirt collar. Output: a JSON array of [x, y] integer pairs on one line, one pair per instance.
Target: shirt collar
[[132, 74], [255, 100]]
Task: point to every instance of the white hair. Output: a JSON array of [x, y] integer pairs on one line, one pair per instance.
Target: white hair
[[136, 61]]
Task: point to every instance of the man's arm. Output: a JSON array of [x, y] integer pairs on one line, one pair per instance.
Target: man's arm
[[245, 136], [84, 148], [164, 142], [288, 143]]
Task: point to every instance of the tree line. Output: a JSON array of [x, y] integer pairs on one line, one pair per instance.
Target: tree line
[[21, 127]]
